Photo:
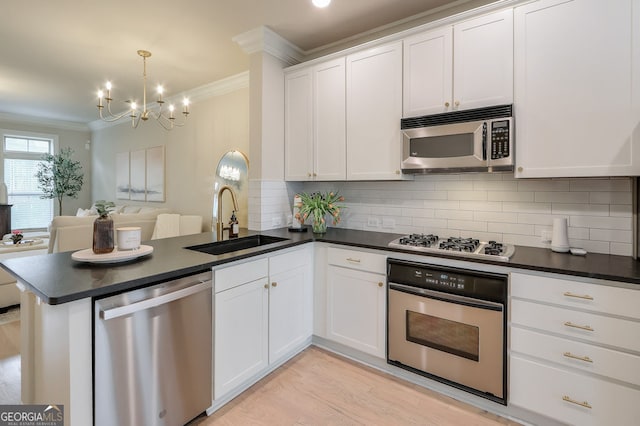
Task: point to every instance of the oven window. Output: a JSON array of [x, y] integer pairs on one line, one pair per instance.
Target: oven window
[[444, 146], [444, 335]]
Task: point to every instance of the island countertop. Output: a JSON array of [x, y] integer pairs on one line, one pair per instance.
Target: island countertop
[[56, 278]]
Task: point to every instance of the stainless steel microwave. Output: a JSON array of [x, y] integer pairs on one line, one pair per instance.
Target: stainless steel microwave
[[476, 140]]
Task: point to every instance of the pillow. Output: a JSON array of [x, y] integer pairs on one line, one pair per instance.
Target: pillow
[[118, 209], [130, 209], [86, 212]]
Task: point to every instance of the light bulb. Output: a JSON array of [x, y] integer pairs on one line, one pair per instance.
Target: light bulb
[[321, 3], [108, 85], [134, 105], [100, 94]]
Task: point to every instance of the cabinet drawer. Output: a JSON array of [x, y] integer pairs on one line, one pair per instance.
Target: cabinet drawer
[[291, 260], [369, 262], [547, 390], [606, 362], [242, 273], [581, 325], [594, 297]]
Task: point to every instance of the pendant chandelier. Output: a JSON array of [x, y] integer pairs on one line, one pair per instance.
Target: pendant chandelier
[[165, 117]]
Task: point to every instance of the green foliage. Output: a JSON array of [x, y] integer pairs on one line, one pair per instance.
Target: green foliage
[[60, 176], [317, 205], [104, 207]]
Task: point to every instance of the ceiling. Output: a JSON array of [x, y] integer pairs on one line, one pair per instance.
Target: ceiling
[[55, 55]]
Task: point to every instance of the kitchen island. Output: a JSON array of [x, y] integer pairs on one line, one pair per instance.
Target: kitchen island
[[59, 292]]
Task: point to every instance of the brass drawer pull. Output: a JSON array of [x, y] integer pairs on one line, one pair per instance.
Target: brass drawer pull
[[584, 404], [579, 296], [274, 284], [349, 259], [580, 358], [380, 284], [581, 327]]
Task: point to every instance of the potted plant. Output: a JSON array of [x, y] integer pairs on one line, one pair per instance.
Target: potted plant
[[316, 206], [59, 176], [103, 228]]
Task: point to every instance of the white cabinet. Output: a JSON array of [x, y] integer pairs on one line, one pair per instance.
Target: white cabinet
[[356, 300], [290, 302], [263, 315], [315, 135], [577, 88], [240, 324], [468, 65], [574, 351], [374, 109]]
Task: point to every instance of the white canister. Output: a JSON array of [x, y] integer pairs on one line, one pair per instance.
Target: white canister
[[560, 236], [128, 238]]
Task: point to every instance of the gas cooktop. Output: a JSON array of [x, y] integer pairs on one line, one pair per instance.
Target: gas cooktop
[[467, 247]]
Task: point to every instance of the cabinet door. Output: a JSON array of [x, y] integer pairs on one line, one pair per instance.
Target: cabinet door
[[483, 61], [290, 311], [374, 109], [577, 69], [241, 335], [298, 125], [428, 74], [329, 148], [356, 314]]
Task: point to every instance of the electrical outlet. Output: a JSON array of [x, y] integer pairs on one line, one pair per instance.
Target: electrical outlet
[[373, 222], [545, 237], [388, 223]]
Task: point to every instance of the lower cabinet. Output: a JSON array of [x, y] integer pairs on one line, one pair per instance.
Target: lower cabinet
[[262, 314], [356, 300], [574, 350]]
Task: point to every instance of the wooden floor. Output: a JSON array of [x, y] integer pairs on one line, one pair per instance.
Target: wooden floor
[[320, 388], [10, 363], [314, 388]]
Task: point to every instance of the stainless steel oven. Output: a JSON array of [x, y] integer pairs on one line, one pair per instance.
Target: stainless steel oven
[[448, 324]]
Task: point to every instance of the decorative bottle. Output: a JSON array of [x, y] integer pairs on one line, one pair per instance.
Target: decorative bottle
[[234, 226]]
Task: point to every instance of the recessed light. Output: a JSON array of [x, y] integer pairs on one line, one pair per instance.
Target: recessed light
[[321, 3]]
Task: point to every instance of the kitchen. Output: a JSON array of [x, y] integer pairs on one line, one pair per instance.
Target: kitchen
[[530, 211]]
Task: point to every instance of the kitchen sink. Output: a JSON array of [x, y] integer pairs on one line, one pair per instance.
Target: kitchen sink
[[227, 246]]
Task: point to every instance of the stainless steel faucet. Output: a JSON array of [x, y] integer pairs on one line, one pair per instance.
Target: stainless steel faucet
[[219, 223]]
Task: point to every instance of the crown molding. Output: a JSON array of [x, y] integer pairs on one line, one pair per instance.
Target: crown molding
[[263, 39], [44, 122], [209, 90]]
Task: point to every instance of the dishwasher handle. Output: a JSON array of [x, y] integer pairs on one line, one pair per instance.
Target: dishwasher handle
[[152, 302]]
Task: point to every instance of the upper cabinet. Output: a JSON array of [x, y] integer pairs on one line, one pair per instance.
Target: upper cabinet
[[374, 109], [577, 88], [315, 136], [468, 65]]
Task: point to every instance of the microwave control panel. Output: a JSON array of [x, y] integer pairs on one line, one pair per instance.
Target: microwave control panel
[[500, 139]]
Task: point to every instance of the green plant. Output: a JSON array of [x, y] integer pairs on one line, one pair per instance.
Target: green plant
[[104, 207], [59, 176], [317, 205]]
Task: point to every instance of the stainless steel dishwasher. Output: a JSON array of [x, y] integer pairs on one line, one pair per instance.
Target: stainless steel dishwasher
[[152, 354]]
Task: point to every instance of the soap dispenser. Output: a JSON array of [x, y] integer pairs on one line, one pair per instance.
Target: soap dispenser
[[234, 226]]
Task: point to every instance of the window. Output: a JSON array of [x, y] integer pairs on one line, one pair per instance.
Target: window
[[22, 153]]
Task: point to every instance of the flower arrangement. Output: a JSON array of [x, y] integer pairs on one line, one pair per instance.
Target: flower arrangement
[[104, 207], [16, 236], [317, 206]]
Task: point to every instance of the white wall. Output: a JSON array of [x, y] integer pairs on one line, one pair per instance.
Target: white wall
[[216, 125], [69, 137], [492, 207]]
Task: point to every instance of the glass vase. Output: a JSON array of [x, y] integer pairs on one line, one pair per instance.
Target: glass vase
[[103, 235], [319, 226]]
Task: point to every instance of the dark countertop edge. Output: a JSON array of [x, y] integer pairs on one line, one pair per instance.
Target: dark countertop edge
[[539, 260]]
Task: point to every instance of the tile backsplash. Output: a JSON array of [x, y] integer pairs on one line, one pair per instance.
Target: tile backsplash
[[487, 206]]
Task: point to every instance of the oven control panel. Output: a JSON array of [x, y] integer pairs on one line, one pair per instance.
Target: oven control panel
[[475, 284]]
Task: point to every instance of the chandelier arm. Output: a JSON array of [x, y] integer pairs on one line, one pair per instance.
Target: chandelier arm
[[112, 117]]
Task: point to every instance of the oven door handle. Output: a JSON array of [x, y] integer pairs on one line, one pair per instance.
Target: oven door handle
[[447, 297]]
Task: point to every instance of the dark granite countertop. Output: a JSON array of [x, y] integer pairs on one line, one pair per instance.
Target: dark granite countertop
[[56, 278]]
